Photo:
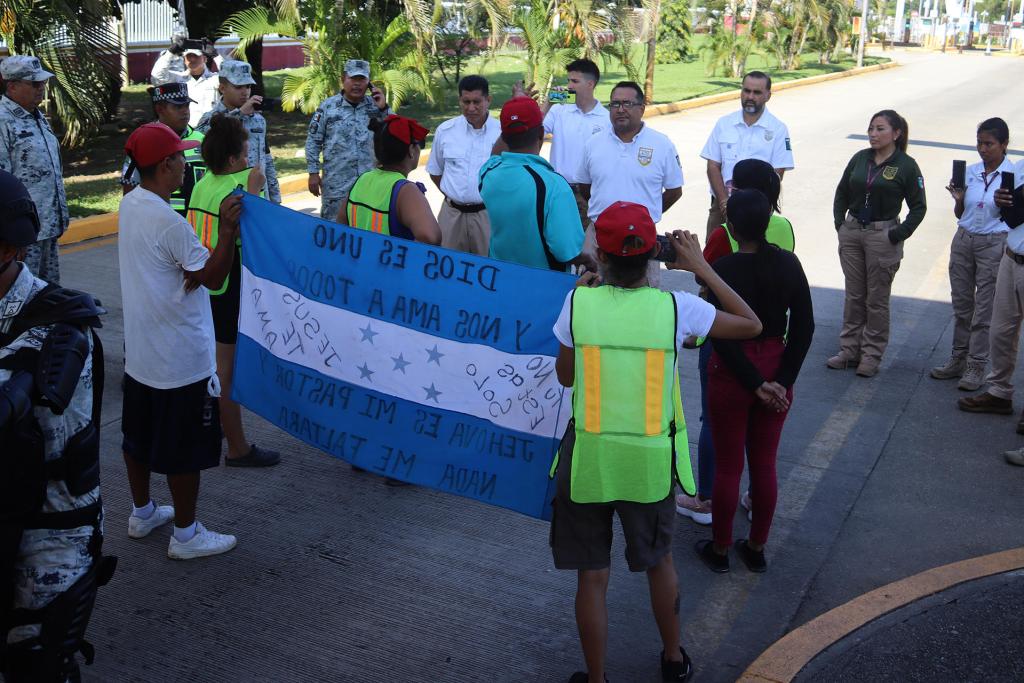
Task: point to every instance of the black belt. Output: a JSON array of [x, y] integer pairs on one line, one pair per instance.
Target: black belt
[[467, 208], [1015, 256]]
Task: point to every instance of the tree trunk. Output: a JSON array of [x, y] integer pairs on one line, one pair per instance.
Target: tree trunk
[[254, 55], [652, 46]]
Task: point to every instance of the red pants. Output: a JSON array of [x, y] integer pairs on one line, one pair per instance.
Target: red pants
[[740, 421]]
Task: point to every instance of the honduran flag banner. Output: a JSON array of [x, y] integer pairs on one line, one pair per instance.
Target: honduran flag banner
[[414, 362]]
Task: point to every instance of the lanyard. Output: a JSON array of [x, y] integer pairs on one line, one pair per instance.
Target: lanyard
[[988, 182], [870, 180]]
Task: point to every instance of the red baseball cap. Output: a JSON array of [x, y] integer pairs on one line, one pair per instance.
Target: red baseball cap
[[622, 220], [519, 115], [153, 142]]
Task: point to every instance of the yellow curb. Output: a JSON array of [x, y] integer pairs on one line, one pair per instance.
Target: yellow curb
[[673, 107], [82, 229], [781, 662]]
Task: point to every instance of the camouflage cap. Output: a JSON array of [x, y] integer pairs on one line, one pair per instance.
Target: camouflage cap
[[236, 72], [357, 67], [23, 68]]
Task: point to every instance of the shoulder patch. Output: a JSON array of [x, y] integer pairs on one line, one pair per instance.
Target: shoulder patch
[[920, 182], [789, 147]]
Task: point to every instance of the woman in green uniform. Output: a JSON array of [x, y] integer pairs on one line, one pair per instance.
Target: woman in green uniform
[[226, 153], [876, 183], [382, 200]]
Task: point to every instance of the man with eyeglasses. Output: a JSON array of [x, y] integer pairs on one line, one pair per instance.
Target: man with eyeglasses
[[630, 162], [750, 133], [29, 151]]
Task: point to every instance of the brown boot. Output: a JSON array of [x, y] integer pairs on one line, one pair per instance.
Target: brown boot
[[986, 403], [841, 361]]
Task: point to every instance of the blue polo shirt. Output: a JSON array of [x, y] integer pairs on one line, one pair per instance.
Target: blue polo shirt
[[509, 191]]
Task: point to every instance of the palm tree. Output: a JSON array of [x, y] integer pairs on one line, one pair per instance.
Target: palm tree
[[548, 50], [331, 35], [78, 44]]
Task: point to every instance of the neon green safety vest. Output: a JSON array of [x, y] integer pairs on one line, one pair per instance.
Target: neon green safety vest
[[629, 418], [195, 169], [779, 232], [369, 201], [204, 208]]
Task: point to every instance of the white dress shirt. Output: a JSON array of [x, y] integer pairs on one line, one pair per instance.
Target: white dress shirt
[[204, 90], [981, 215], [634, 171], [570, 127], [458, 152], [732, 140]]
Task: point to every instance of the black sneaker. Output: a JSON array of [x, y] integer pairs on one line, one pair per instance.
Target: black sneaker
[[257, 457], [676, 671], [715, 562], [754, 559]]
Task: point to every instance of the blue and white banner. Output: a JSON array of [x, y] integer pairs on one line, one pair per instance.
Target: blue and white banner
[[415, 362]]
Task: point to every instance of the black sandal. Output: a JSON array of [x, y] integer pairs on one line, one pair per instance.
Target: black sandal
[[676, 671], [754, 559], [715, 562]]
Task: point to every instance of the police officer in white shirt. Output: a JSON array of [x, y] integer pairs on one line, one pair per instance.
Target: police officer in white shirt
[[629, 162], [194, 56], [461, 146], [751, 133]]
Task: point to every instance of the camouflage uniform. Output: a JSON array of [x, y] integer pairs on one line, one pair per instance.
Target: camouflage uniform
[[339, 131], [259, 150], [29, 150], [49, 560]]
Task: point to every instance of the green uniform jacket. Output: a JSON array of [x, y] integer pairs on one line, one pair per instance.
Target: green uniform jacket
[[898, 179]]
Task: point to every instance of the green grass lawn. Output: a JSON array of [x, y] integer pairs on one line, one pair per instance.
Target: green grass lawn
[[91, 172]]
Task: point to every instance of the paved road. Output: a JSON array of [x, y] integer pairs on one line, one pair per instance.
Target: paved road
[[339, 578]]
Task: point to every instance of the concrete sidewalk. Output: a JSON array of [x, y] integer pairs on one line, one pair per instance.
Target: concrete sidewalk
[[339, 578]]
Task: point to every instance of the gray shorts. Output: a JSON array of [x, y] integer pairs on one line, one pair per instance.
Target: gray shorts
[[581, 533]]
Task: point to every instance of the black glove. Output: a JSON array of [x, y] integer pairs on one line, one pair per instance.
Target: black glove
[[177, 46], [209, 50]]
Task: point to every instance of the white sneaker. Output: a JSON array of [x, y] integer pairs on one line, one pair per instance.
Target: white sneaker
[[747, 505], [203, 544], [694, 508], [139, 527]]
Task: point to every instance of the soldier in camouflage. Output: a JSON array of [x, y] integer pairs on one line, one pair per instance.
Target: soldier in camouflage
[[339, 132], [50, 561], [236, 100], [29, 150]]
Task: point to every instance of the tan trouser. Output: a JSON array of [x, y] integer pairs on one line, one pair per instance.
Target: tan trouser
[[1007, 313], [973, 264], [590, 247], [869, 262], [468, 232], [715, 218]]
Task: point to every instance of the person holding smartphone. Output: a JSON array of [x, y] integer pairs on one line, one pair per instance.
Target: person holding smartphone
[[876, 183], [1007, 311], [974, 256]]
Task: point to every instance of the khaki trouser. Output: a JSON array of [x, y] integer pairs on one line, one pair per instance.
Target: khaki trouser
[[590, 247], [1007, 313], [869, 262], [468, 232], [973, 265], [715, 218]]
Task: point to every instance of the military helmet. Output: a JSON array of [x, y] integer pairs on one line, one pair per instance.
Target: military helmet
[[19, 222]]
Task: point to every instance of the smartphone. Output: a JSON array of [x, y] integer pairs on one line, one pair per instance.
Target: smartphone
[[1007, 182], [959, 174], [558, 96], [665, 251]]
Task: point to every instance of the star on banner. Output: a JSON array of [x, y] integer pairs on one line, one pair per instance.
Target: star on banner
[[435, 355], [432, 393], [365, 372], [400, 363], [368, 333]]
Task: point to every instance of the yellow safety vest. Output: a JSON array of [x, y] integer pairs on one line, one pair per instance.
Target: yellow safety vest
[[628, 416], [204, 209]]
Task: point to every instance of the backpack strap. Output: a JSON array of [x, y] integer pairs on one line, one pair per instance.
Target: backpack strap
[[542, 191]]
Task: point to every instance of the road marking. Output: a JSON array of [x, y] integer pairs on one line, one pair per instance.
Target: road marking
[[785, 659]]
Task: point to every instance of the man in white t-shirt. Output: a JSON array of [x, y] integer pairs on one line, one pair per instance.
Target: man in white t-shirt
[[461, 146], [750, 133], [630, 162], [170, 418]]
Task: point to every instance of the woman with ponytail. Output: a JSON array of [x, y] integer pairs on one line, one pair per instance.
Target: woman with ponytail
[[750, 383], [876, 183]]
